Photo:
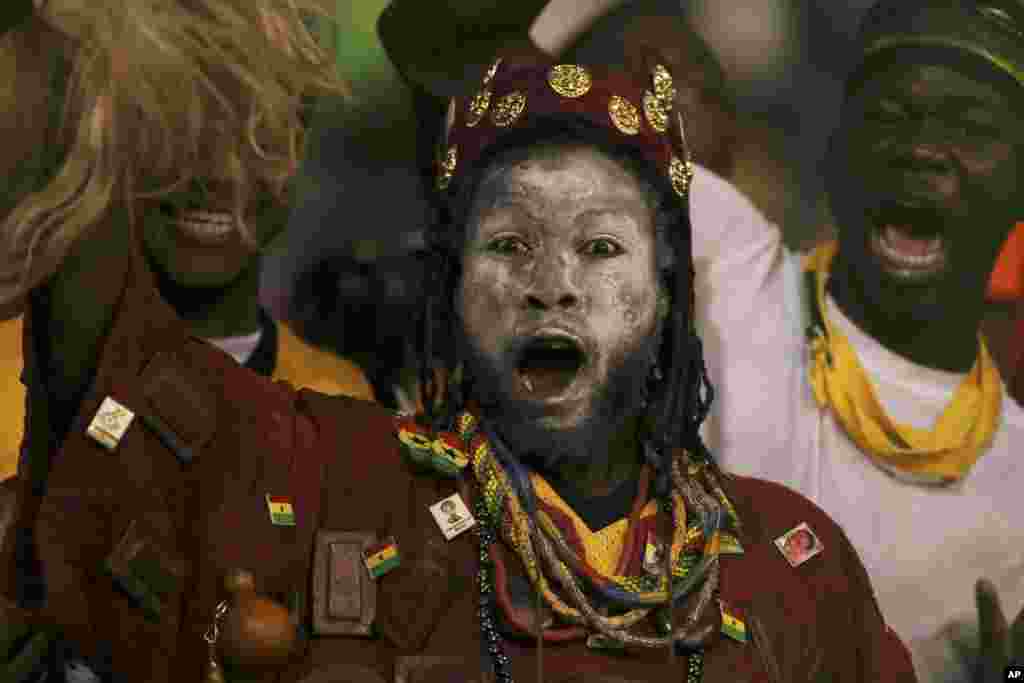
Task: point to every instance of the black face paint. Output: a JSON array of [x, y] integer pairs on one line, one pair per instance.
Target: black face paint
[[925, 188]]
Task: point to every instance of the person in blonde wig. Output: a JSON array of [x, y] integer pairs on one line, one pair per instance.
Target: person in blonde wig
[[148, 103], [147, 156], [199, 134]]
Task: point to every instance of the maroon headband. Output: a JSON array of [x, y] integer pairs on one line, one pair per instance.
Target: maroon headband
[[636, 113]]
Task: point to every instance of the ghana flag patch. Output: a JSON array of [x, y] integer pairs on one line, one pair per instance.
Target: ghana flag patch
[[732, 626], [382, 558], [281, 512]]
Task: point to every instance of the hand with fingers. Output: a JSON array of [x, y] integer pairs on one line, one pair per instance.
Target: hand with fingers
[[1001, 643], [445, 46]]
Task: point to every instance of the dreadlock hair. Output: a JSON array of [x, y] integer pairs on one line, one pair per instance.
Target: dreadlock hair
[[678, 403]]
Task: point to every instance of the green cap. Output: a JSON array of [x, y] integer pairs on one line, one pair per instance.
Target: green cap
[[989, 32]]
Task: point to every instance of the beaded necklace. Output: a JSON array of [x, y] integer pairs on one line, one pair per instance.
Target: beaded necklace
[[506, 506]]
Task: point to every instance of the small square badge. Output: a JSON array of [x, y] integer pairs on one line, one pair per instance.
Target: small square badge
[[382, 558], [110, 423], [281, 511], [452, 516], [732, 625], [799, 545]]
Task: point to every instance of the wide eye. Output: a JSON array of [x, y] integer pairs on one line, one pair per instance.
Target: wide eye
[[602, 247], [509, 246]]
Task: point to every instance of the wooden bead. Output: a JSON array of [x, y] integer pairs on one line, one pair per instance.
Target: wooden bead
[[258, 633]]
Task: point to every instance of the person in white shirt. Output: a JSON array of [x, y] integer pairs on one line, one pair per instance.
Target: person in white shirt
[[856, 374]]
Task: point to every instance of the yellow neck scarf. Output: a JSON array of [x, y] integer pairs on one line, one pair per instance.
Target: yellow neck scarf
[[941, 455], [602, 549]]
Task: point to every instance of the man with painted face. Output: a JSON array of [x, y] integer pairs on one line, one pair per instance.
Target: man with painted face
[[212, 280], [148, 159], [207, 271], [859, 377], [559, 301]]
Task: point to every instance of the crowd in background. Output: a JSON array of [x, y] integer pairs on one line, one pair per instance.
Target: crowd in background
[[771, 72]]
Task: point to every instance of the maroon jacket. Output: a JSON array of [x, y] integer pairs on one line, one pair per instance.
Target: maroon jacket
[[819, 621], [338, 461]]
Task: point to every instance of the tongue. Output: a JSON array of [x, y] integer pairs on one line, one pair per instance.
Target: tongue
[[899, 238]]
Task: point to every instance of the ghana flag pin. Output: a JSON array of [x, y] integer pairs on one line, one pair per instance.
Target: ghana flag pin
[[732, 626], [382, 558], [281, 512]]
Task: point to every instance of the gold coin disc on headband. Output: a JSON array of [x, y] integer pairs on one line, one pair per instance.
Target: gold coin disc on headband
[[478, 107], [447, 170], [664, 87], [624, 115], [570, 80], [489, 76], [656, 110], [508, 109], [681, 173]]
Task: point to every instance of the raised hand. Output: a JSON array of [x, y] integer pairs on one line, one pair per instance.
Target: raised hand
[[446, 45], [1000, 643]]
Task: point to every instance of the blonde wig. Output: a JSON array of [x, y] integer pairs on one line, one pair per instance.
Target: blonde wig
[[157, 96]]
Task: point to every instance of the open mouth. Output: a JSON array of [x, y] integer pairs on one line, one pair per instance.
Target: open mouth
[[548, 366], [205, 227], [909, 242]]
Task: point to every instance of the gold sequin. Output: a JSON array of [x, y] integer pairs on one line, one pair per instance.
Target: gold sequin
[[624, 115], [448, 164], [681, 174], [656, 110], [664, 88], [570, 80], [489, 76], [508, 109], [478, 107]]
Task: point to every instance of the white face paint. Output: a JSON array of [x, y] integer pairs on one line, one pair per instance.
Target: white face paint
[[558, 297]]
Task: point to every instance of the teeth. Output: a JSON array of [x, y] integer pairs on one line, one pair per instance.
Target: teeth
[[933, 256], [207, 223], [528, 384], [208, 216]]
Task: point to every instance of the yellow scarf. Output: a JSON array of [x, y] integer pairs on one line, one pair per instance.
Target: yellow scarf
[[602, 549], [941, 455]]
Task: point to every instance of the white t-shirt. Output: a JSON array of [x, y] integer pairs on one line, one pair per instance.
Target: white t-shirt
[[924, 547]]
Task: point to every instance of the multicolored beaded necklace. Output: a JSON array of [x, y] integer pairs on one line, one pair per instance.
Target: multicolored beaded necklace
[[507, 505]]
